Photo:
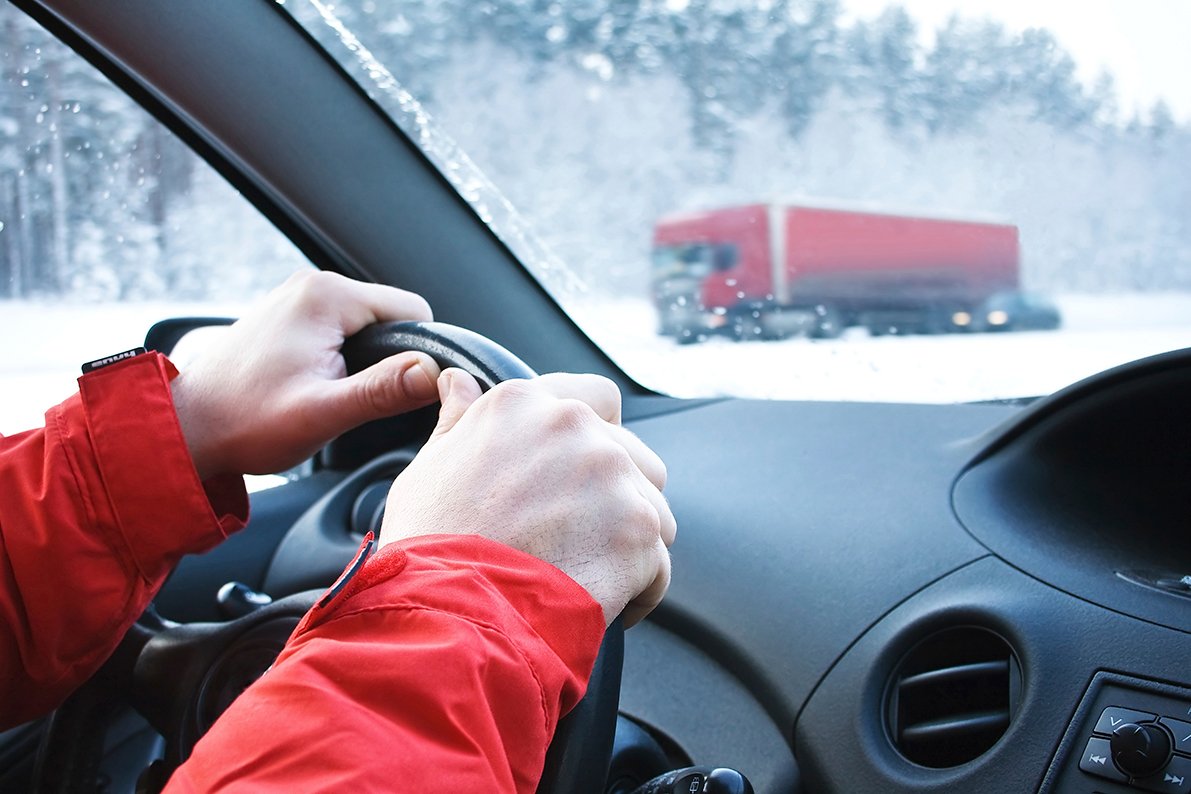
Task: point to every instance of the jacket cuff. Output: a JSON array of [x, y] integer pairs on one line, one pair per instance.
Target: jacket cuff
[[480, 580], [127, 441]]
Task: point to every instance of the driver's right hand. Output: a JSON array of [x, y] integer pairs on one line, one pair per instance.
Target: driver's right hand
[[544, 466]]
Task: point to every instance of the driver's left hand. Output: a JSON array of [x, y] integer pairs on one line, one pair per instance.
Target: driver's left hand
[[274, 389]]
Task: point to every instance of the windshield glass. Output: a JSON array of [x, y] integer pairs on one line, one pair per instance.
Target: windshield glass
[[108, 224], [815, 199]]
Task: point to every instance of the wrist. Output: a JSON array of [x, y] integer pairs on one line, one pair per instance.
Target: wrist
[[196, 431]]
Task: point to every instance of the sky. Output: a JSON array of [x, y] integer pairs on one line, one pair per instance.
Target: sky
[[1143, 43]]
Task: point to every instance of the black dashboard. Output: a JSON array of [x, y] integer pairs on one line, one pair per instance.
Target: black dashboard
[[968, 587]]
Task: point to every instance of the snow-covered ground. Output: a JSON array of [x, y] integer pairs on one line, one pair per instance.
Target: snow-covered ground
[[1098, 332], [45, 343]]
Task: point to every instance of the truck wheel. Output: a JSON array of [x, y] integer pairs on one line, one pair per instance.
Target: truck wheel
[[747, 327], [829, 322], [780, 323], [881, 329]]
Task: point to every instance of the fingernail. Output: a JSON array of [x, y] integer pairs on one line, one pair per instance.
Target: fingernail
[[418, 382], [446, 384]]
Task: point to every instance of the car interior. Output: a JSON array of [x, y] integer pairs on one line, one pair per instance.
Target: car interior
[[866, 597]]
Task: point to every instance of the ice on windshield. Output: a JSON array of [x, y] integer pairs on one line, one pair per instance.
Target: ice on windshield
[[452, 161]]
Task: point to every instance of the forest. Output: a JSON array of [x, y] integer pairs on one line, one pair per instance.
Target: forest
[[596, 117]]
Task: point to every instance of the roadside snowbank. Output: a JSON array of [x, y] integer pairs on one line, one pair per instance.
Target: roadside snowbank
[[1098, 332]]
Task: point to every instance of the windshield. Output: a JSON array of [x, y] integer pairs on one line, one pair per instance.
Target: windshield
[[815, 199]]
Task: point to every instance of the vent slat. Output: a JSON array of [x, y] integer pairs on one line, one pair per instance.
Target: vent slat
[[951, 729], [952, 697], [999, 667]]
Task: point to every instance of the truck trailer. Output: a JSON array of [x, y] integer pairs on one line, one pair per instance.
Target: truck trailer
[[768, 271]]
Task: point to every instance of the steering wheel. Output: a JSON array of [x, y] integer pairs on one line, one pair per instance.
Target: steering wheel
[[181, 677]]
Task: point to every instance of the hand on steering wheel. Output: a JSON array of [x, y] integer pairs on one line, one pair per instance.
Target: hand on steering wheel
[[199, 656]]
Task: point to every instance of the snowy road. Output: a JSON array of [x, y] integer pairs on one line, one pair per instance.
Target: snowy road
[[43, 346], [1098, 333]]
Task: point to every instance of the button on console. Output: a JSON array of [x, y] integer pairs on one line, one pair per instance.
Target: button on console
[[1129, 735], [1181, 732], [1174, 779], [1114, 717], [1140, 750], [1097, 760]]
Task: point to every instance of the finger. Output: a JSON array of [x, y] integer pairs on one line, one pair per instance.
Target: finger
[[392, 386], [358, 304], [457, 390], [388, 304], [645, 458], [667, 524], [603, 396], [651, 596], [598, 392]]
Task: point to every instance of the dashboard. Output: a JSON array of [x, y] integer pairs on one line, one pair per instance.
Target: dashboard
[[923, 599], [887, 598]]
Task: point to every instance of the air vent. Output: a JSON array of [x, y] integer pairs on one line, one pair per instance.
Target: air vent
[[952, 697]]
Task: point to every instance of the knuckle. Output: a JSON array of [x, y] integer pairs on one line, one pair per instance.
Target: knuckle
[[644, 518], [314, 281], [637, 529], [514, 389], [508, 395], [669, 527], [311, 288], [664, 573], [298, 277], [570, 415], [604, 461]]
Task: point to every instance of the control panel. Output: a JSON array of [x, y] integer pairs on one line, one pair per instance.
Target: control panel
[[1147, 750], [1129, 735]]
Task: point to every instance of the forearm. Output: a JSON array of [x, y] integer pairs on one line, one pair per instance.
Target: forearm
[[97, 507], [445, 666]]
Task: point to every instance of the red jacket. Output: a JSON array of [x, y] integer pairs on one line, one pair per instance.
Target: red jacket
[[444, 663]]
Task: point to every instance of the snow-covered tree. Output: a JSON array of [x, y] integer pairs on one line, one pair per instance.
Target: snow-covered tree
[[597, 116]]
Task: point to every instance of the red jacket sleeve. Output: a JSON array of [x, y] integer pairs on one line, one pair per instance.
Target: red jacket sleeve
[[444, 665], [95, 510]]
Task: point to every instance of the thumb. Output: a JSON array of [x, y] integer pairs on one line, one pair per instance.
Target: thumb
[[456, 391], [395, 385]]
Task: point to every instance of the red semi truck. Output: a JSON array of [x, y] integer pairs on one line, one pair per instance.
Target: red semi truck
[[773, 270]]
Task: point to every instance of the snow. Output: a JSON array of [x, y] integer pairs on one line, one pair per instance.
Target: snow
[[46, 343], [1099, 332]]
